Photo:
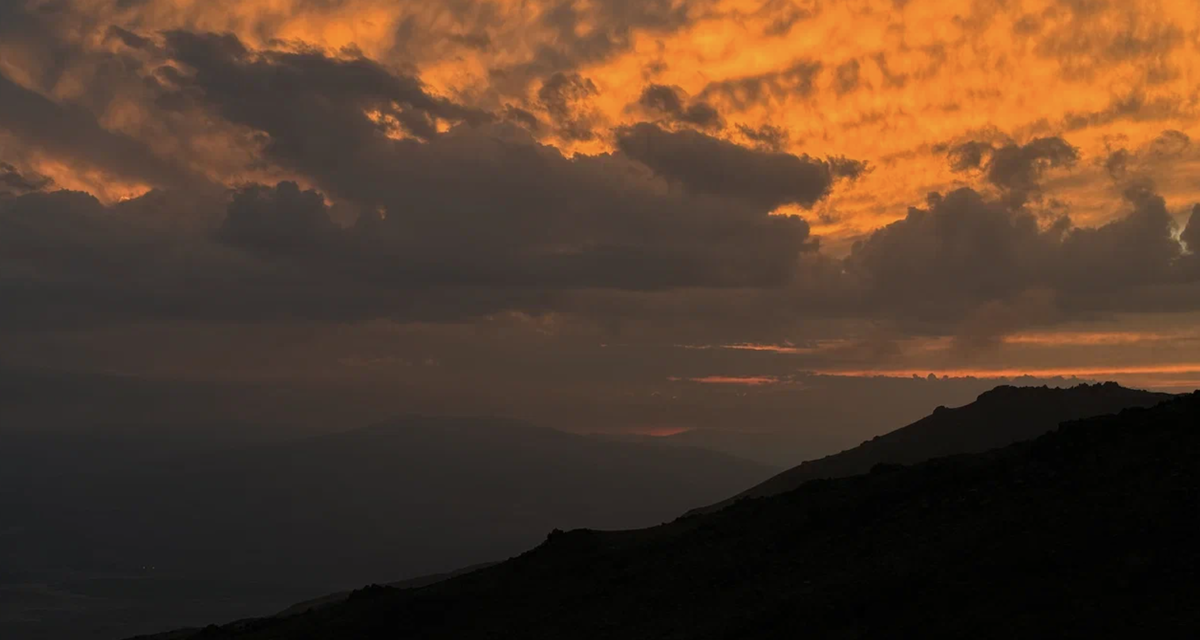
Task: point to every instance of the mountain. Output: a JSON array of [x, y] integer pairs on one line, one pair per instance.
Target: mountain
[[1088, 531], [997, 418], [225, 534], [411, 583], [777, 449]]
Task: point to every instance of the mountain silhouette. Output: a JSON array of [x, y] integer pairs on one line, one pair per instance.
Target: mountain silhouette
[[1087, 531], [997, 418], [247, 530]]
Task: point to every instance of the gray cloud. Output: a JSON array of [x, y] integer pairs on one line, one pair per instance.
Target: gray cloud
[[73, 132], [846, 77], [479, 219], [767, 137], [963, 252], [250, 87], [566, 96], [610, 27], [1191, 234], [1170, 144], [1117, 163], [1138, 165], [740, 93], [15, 183], [704, 164], [1014, 169], [671, 103]]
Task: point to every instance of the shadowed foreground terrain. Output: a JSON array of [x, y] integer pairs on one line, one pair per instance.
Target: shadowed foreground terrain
[[1087, 530], [185, 539], [997, 418]]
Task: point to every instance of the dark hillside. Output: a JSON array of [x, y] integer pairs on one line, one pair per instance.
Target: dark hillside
[[997, 418], [1088, 531]]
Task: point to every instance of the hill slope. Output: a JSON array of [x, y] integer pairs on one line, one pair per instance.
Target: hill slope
[[1085, 532], [243, 532], [997, 418]]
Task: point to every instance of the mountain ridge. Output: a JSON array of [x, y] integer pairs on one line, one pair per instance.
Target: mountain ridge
[[998, 417], [1084, 531]]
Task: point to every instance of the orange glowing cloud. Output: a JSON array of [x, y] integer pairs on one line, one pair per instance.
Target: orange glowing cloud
[[888, 84]]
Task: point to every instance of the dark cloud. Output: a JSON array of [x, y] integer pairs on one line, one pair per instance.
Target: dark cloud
[[1136, 107], [1138, 166], [776, 86], [1014, 169], [1018, 168], [1138, 249], [482, 205], [476, 222], [315, 102], [86, 265], [846, 77], [1170, 144], [588, 34], [72, 132], [671, 103], [1191, 233], [963, 252], [128, 38], [477, 41], [969, 155], [958, 252], [282, 218], [1117, 163], [768, 137], [566, 97], [1086, 37], [704, 164], [522, 117], [578, 234], [14, 183], [842, 167]]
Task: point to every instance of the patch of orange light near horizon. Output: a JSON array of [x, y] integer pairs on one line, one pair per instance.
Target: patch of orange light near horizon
[[746, 381], [1099, 338], [1048, 372]]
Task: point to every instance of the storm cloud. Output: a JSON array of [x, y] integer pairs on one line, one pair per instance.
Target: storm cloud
[[703, 164]]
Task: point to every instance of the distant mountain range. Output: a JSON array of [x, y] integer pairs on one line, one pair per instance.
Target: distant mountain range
[[107, 551], [1087, 531], [997, 418]]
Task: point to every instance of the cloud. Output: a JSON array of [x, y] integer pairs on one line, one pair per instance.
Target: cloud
[[14, 183], [1191, 234], [253, 87], [704, 164], [671, 103], [767, 137], [963, 253], [72, 132], [566, 97], [847, 77], [1015, 169], [774, 86], [957, 253], [283, 219], [1170, 144]]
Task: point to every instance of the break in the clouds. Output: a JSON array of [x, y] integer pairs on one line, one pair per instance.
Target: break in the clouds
[[688, 174]]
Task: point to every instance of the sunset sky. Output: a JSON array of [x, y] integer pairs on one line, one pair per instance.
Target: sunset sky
[[617, 201]]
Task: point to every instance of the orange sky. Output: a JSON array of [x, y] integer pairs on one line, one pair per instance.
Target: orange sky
[[890, 82], [893, 84]]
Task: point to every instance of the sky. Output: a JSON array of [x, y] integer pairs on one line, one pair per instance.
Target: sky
[[493, 205]]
